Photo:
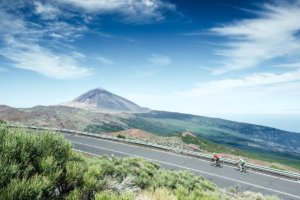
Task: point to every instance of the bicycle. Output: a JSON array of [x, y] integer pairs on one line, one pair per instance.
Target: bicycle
[[216, 164], [244, 168]]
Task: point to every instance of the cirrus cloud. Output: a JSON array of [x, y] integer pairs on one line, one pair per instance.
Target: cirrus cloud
[[160, 60], [272, 33], [21, 45], [104, 60], [253, 93], [247, 82], [133, 11], [34, 57], [47, 11]]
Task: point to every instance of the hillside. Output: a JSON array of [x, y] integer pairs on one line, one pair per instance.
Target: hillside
[[141, 135], [262, 140], [58, 116], [13, 114], [57, 172], [240, 135]]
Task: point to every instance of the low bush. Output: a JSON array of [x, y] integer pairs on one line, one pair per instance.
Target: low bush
[[121, 136]]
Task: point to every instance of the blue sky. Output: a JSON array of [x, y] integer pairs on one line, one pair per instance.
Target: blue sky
[[227, 58]]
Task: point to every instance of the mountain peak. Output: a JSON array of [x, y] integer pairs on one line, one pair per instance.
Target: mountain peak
[[100, 89], [102, 100], [92, 94]]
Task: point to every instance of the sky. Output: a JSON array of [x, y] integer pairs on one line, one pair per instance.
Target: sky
[[233, 59]]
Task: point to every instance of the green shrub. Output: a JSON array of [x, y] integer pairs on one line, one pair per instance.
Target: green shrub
[[3, 122], [33, 166], [121, 136], [74, 195], [112, 196], [158, 194], [74, 173], [23, 189]]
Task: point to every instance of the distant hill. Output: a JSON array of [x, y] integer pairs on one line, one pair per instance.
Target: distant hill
[[13, 114], [101, 100], [112, 113], [57, 116]]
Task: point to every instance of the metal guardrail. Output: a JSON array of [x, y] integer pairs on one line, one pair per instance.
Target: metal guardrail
[[282, 173]]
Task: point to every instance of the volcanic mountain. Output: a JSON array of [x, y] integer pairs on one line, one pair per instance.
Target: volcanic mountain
[[104, 101]]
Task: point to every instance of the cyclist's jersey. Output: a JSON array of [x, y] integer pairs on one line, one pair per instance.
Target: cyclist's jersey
[[242, 161], [216, 157]]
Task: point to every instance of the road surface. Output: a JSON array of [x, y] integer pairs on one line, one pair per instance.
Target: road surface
[[225, 177]]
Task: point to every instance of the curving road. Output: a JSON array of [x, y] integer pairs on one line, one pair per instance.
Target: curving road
[[224, 177]]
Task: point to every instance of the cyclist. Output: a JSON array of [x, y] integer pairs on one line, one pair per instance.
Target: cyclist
[[241, 164], [216, 159]]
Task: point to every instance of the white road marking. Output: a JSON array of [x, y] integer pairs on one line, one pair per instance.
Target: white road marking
[[191, 169], [87, 153], [176, 154]]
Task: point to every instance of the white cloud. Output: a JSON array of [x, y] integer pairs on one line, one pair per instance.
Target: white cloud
[[270, 98], [36, 58], [271, 34], [161, 60], [63, 31], [248, 82], [20, 44], [55, 35], [47, 11], [254, 93], [290, 65], [137, 11], [9, 23], [78, 55], [104, 60]]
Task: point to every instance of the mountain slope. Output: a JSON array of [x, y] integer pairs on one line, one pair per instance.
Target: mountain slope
[[113, 113], [235, 134], [13, 114], [104, 101], [280, 146], [58, 116]]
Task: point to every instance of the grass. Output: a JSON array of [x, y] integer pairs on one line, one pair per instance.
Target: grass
[[207, 145], [277, 167], [104, 127]]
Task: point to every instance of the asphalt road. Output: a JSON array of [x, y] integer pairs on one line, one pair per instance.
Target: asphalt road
[[225, 177]]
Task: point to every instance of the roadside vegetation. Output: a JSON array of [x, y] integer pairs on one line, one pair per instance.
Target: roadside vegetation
[[42, 165], [121, 136]]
